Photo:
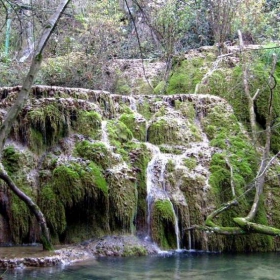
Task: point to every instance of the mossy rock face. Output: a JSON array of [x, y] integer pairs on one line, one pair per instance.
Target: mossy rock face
[[139, 158], [52, 121], [118, 133], [271, 199], [89, 124], [213, 120], [187, 109], [194, 201], [237, 156], [144, 108], [72, 181], [11, 159], [136, 124], [18, 161], [53, 209], [227, 82], [172, 131], [163, 220], [42, 126], [122, 199], [19, 164], [97, 152], [186, 75], [73, 186]]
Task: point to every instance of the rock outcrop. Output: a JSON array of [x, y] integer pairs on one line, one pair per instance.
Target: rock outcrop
[[103, 164]]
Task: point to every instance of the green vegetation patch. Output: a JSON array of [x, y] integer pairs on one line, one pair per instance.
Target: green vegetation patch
[[71, 185], [96, 152], [46, 125], [186, 75], [186, 108], [11, 159], [136, 125], [123, 200], [89, 124], [118, 133], [163, 229]]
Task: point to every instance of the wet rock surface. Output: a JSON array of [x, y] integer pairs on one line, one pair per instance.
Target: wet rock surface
[[121, 246], [57, 257], [115, 246]]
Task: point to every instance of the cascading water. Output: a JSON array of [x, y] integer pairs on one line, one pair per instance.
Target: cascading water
[[156, 187], [104, 135], [150, 184], [176, 225]]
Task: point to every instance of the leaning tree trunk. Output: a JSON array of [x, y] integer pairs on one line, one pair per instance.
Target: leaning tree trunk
[[250, 99], [14, 112]]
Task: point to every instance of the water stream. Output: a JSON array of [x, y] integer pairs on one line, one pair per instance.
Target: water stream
[[156, 187], [186, 265], [104, 135]]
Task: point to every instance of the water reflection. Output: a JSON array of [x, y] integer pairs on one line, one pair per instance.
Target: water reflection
[[186, 265]]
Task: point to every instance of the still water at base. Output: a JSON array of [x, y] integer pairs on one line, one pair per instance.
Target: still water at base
[[186, 265]]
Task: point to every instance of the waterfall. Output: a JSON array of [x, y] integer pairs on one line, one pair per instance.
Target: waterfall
[[156, 187], [150, 183], [189, 232], [132, 102], [176, 224], [104, 135], [133, 105]]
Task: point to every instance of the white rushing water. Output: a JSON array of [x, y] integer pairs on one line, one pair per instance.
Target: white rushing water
[[104, 134], [156, 189]]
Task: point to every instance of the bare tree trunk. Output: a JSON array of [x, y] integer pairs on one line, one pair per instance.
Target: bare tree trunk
[[14, 112], [32, 206], [265, 156], [252, 114]]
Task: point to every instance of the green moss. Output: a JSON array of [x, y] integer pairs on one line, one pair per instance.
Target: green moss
[[93, 176], [53, 209], [136, 250], [217, 116], [240, 157], [159, 89], [186, 74], [216, 84], [51, 121], [145, 110], [96, 152], [161, 132], [135, 125], [37, 141], [73, 181], [186, 108], [119, 134], [70, 191], [89, 124], [123, 200], [20, 216], [10, 159], [191, 163], [140, 157], [67, 184], [163, 232]]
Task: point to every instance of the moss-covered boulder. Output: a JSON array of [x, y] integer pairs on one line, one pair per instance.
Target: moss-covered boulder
[[163, 224], [136, 124], [172, 131]]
